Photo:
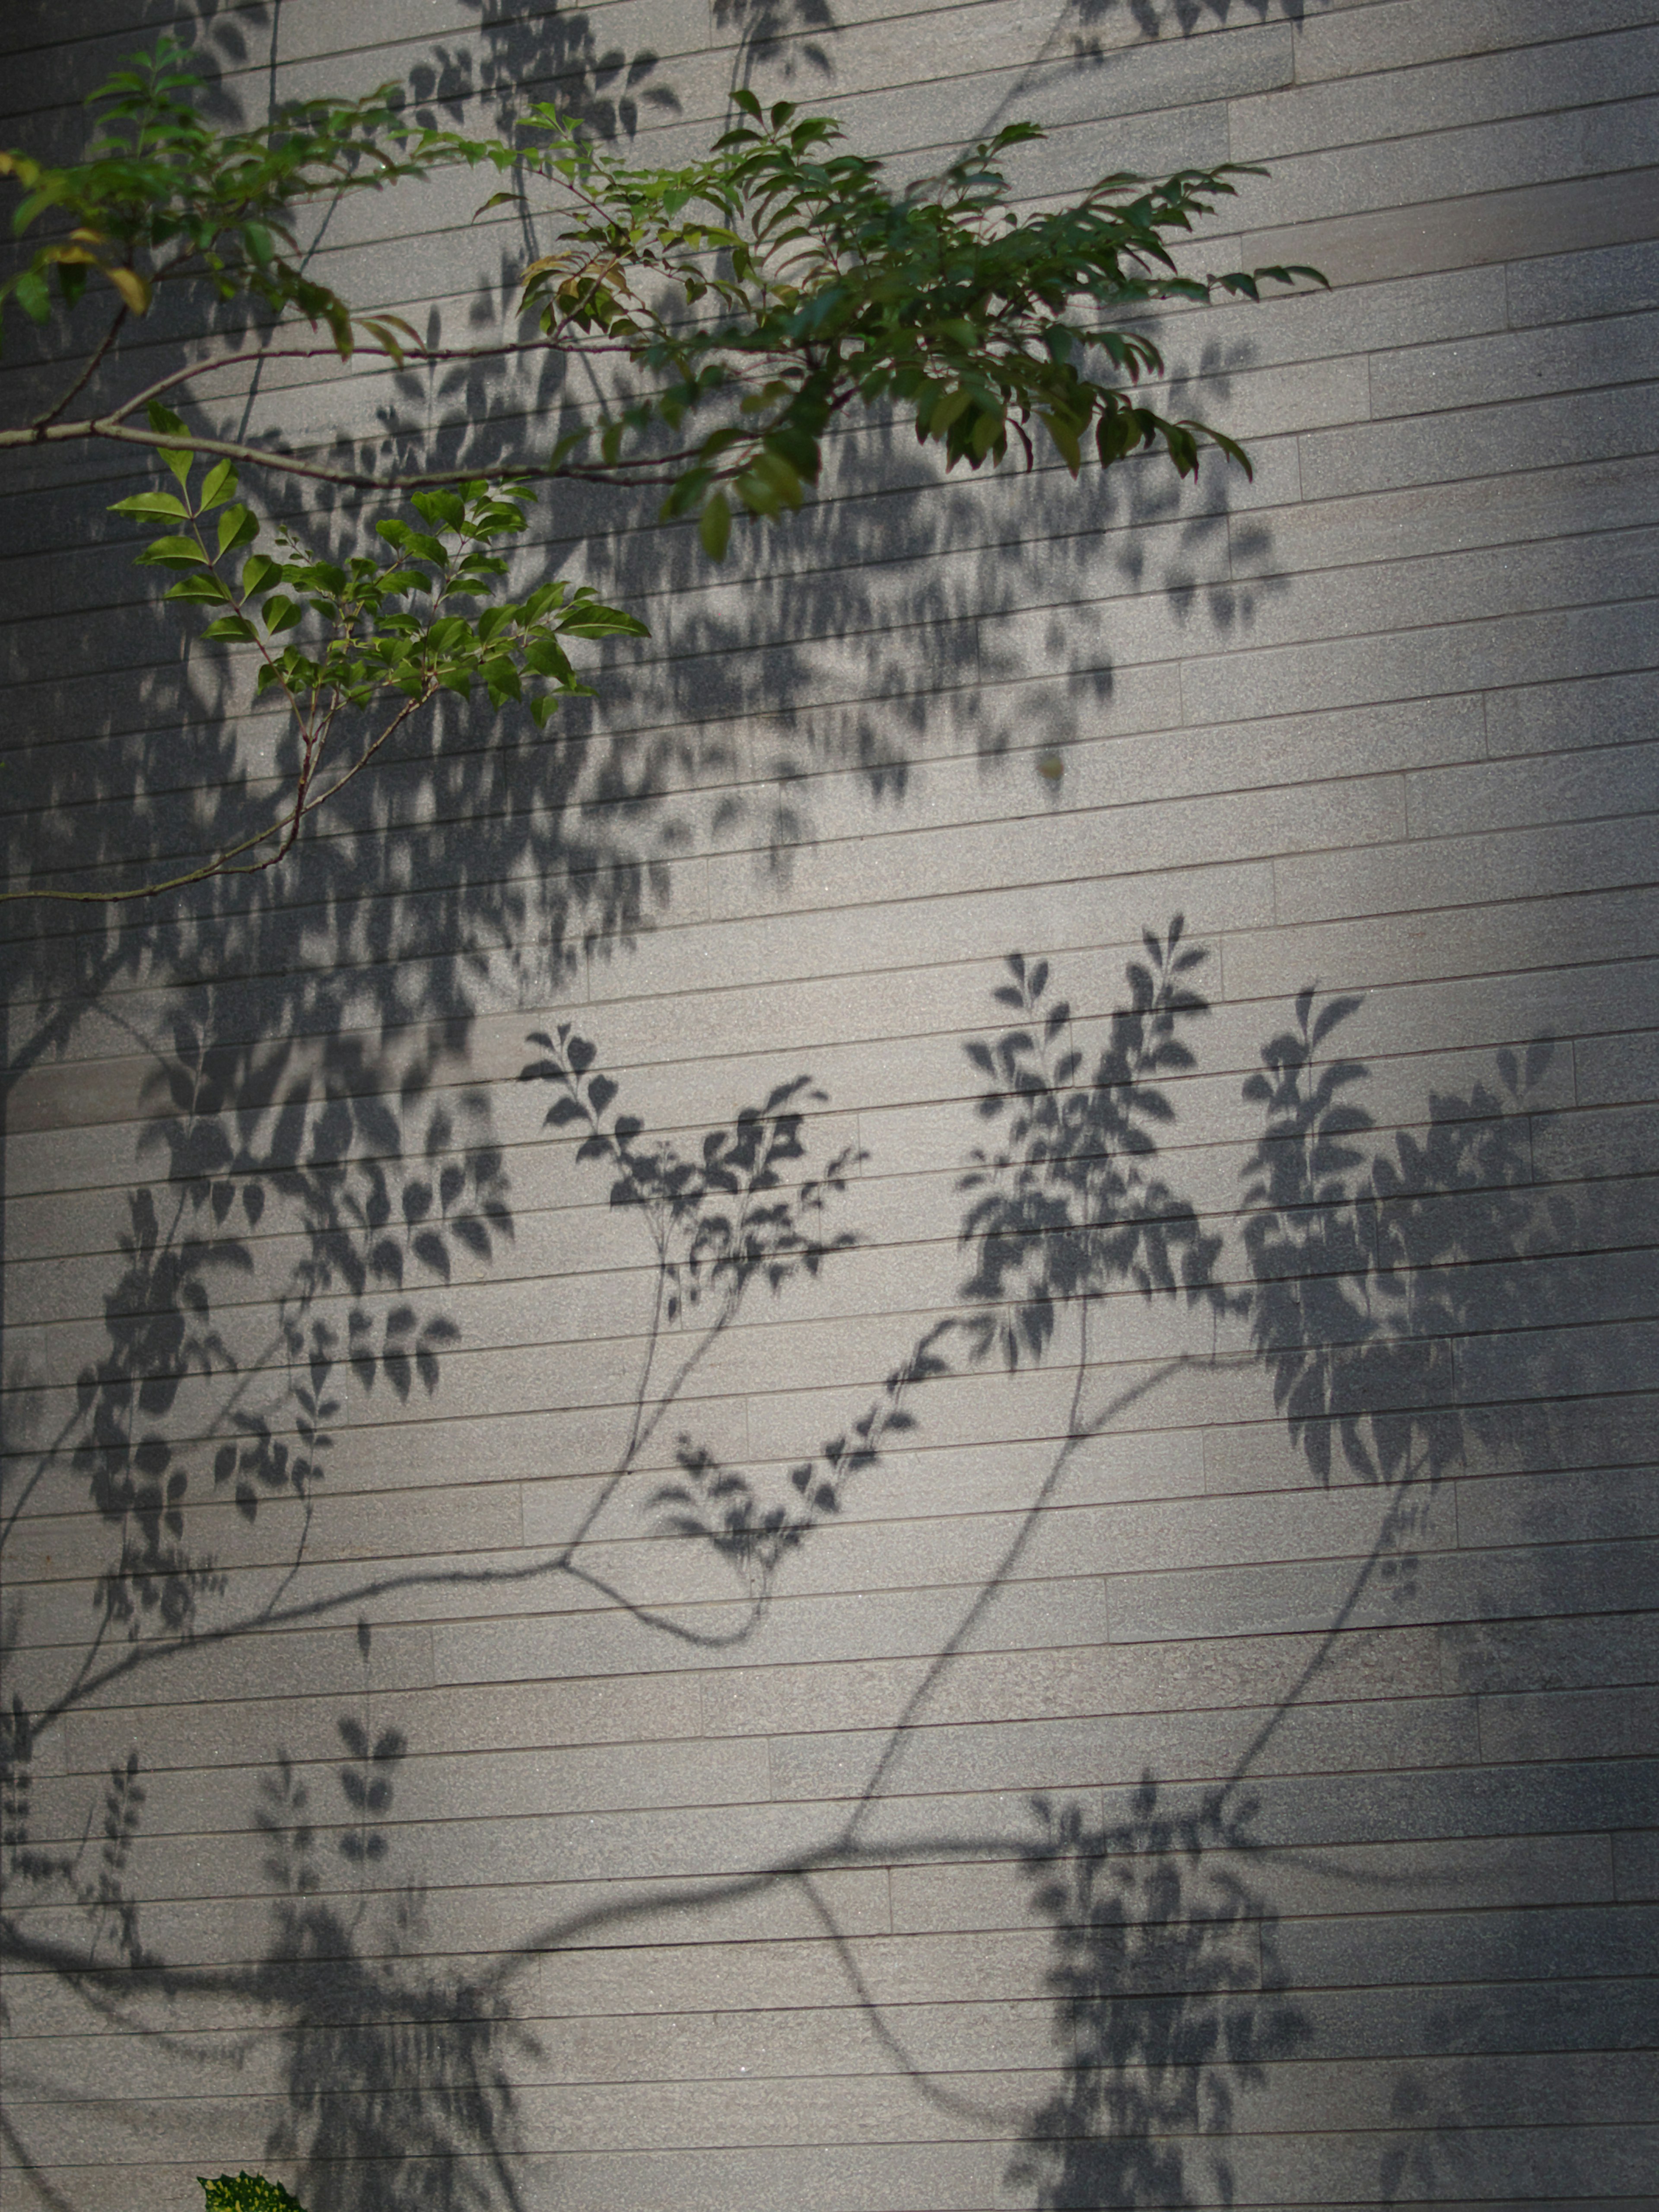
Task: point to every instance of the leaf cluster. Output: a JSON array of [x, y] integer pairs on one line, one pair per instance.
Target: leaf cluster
[[246, 2192], [1361, 1258], [721, 1506], [371, 635], [726, 1214], [366, 1782], [161, 195], [784, 281], [409, 625], [159, 1331], [1072, 1203], [735, 309]]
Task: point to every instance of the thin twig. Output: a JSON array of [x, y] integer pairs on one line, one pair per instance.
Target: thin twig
[[87, 373]]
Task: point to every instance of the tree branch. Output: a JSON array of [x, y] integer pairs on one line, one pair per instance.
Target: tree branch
[[87, 374]]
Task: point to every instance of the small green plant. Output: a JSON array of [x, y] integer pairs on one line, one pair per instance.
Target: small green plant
[[246, 2192], [378, 639]]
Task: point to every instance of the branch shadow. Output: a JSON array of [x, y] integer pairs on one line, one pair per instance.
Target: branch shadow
[[323, 1146], [1358, 1266]]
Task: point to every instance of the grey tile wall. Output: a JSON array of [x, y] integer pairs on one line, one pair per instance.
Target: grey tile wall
[[1213, 1764]]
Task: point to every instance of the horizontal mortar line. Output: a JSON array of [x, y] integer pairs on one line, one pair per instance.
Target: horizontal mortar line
[[913, 834], [725, 583], [1127, 45], [492, 1279], [1564, 36], [1635, 94], [738, 583], [262, 1701], [843, 436], [804, 917], [1268, 1005], [758, 916], [762, 919], [1546, 533], [766, 49], [459, 1756], [1231, 1062], [1153, 317], [734, 583], [1186, 653], [1059, 134], [739, 588], [1198, 1779], [1276, 1000], [1235, 1277], [357, 249], [1218, 1214], [669, 596], [611, 1610]]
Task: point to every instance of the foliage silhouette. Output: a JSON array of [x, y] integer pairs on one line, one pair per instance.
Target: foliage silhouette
[[1163, 1960], [1347, 1251], [1071, 1205], [314, 1105], [753, 303], [397, 2085]]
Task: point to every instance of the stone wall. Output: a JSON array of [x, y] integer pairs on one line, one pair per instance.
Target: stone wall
[[688, 1743]]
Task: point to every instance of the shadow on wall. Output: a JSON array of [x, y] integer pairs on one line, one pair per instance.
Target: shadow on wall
[[324, 1155], [1085, 21], [845, 640], [399, 2074], [1421, 1308], [1166, 2010]]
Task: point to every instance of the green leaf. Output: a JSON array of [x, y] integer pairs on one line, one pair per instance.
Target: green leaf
[[279, 612], [246, 2192], [1065, 441], [220, 483], [544, 658], [32, 296], [591, 620], [234, 630], [236, 526], [161, 505], [446, 508], [205, 584], [756, 494], [714, 528], [172, 553]]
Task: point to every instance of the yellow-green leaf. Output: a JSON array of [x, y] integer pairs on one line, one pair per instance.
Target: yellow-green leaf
[[173, 553], [133, 289], [156, 505], [220, 484]]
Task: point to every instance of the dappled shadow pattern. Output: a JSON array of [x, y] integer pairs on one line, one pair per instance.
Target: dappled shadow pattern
[[1164, 2003], [1351, 1267], [325, 1168], [397, 2070], [1084, 21]]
